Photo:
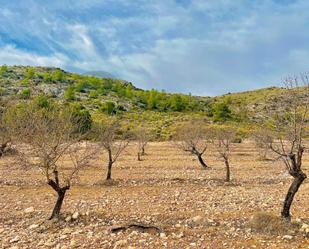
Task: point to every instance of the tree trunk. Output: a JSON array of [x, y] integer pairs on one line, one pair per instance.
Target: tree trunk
[[2, 148], [298, 180], [143, 151], [228, 171], [200, 159], [58, 205], [139, 156], [110, 165], [109, 170]]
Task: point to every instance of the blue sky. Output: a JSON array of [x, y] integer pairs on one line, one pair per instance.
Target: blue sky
[[205, 47]]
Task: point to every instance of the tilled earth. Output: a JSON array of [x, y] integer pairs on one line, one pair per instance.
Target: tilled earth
[[168, 198]]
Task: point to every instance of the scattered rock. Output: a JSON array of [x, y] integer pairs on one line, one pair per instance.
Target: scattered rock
[[162, 235], [304, 228], [29, 210], [287, 237], [68, 218], [75, 216], [15, 239], [120, 243], [33, 226], [197, 219]]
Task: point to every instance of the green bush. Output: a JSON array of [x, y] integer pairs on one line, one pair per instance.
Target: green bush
[[69, 93], [109, 108], [58, 75], [81, 117], [42, 101], [3, 70], [221, 112], [93, 94], [25, 93], [30, 72]]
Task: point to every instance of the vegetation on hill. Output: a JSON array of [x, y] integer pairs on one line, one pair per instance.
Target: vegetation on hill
[[95, 98]]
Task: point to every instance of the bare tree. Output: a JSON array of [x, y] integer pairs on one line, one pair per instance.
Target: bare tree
[[259, 135], [142, 136], [195, 139], [108, 138], [5, 138], [223, 139], [287, 129], [47, 143]]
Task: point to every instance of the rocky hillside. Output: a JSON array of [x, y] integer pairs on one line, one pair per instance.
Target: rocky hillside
[[120, 97], [20, 83]]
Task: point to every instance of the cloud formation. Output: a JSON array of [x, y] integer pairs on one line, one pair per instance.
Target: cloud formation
[[197, 46]]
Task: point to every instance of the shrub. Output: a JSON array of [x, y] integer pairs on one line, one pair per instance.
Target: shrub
[[93, 94], [69, 94], [3, 70], [81, 118], [270, 224], [221, 112], [58, 75], [25, 93], [109, 108]]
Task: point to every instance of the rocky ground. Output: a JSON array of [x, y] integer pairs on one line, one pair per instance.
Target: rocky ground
[[167, 198]]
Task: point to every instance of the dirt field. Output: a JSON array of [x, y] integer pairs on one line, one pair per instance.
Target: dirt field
[[192, 207]]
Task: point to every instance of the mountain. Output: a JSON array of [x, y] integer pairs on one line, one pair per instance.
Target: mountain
[[113, 97]]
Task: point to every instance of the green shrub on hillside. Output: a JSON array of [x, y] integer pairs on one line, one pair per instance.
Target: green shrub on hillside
[[25, 93], [221, 112], [69, 93]]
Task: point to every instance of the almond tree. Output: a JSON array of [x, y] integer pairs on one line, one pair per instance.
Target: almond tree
[[262, 147], [47, 143], [222, 141], [108, 138], [5, 138], [195, 139], [142, 136], [287, 130]]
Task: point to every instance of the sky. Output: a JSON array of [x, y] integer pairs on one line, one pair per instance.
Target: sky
[[203, 47]]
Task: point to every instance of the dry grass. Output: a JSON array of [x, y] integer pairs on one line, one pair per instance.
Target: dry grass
[[267, 223]]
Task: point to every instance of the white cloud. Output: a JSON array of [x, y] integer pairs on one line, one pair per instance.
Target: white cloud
[[10, 55], [205, 47]]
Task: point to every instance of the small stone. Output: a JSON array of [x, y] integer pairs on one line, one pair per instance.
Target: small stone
[[120, 243], [73, 243], [75, 216], [66, 230], [180, 235], [33, 226], [15, 239], [68, 218], [304, 227], [287, 237], [162, 235], [29, 210], [49, 243], [14, 247], [197, 219]]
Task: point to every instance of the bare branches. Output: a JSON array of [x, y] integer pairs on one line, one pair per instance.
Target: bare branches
[[112, 141], [142, 135], [48, 142], [287, 127], [193, 138], [223, 138]]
